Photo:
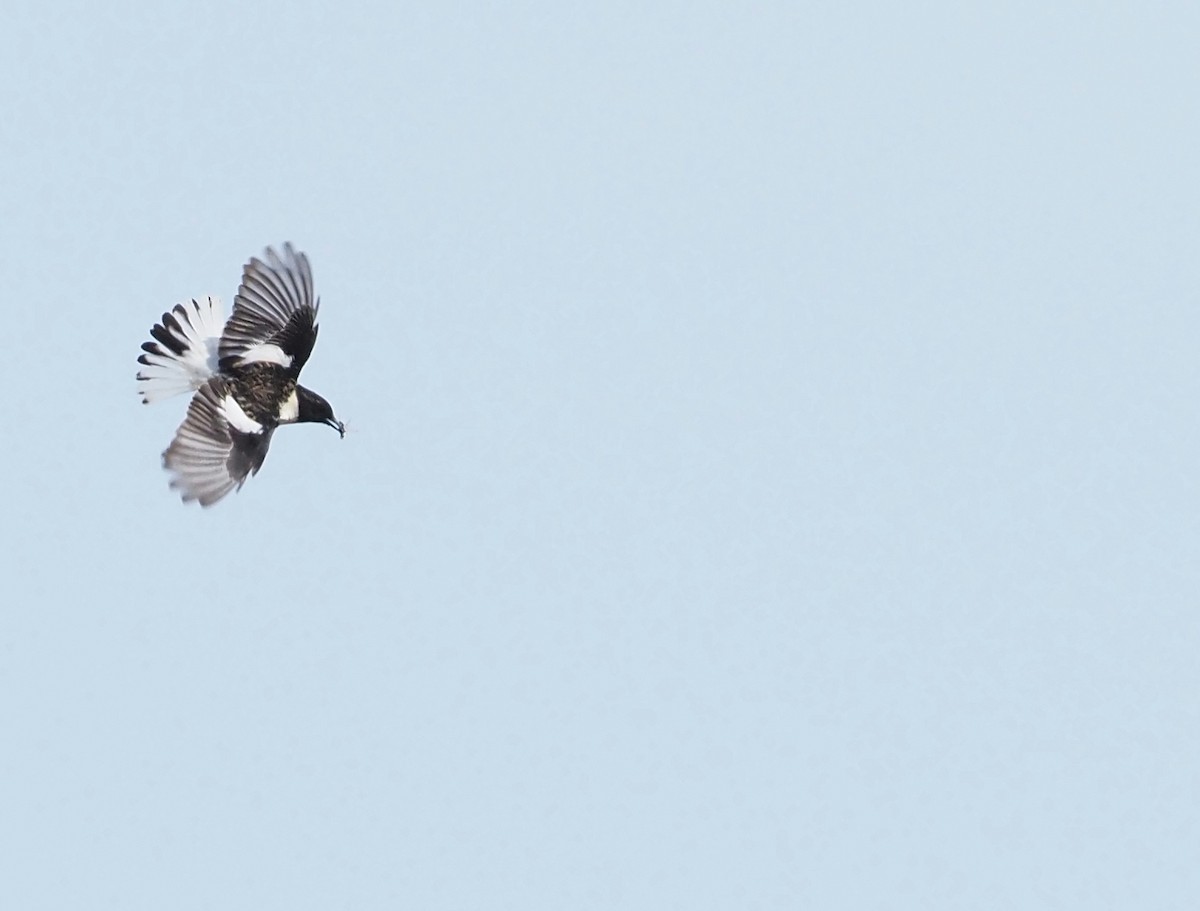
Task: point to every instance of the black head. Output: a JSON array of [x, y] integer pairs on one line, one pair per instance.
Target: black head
[[315, 410]]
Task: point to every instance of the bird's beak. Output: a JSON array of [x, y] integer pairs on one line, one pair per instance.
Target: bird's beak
[[338, 426]]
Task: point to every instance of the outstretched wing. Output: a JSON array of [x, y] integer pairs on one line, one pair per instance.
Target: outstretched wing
[[216, 447], [274, 314]]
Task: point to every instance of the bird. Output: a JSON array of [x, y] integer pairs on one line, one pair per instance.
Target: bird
[[243, 374]]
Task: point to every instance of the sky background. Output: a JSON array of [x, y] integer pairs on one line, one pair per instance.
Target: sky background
[[771, 479]]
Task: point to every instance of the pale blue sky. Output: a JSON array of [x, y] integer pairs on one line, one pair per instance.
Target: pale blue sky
[[771, 479]]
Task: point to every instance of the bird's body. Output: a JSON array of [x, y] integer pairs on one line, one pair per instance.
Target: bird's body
[[244, 374], [265, 393]]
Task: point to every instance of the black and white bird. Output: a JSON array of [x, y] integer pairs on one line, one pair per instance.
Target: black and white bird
[[244, 375]]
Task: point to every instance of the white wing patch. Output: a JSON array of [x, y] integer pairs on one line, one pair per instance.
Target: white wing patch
[[237, 418], [184, 353], [266, 354]]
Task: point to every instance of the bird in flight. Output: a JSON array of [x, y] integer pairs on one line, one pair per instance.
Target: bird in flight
[[244, 374]]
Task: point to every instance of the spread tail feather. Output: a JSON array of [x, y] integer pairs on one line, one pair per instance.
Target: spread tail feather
[[184, 353]]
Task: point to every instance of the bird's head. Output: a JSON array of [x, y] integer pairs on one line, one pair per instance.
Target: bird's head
[[315, 410]]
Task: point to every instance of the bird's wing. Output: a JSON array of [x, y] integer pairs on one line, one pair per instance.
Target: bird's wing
[[183, 354], [216, 447], [274, 314]]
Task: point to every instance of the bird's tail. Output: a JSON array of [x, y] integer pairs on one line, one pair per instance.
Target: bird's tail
[[183, 354]]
